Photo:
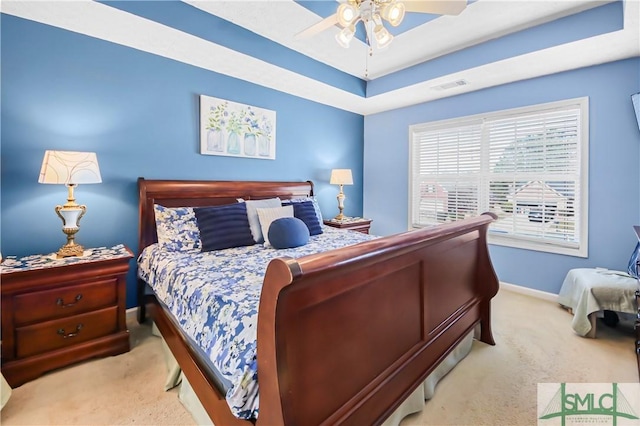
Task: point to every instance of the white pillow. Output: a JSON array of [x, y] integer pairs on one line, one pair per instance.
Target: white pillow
[[252, 215], [268, 215]]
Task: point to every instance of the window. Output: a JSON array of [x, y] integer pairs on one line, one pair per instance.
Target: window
[[527, 165]]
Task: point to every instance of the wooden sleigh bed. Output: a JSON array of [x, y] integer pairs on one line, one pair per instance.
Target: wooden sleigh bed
[[379, 315]]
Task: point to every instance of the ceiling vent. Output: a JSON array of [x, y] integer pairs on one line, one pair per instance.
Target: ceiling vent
[[451, 85]]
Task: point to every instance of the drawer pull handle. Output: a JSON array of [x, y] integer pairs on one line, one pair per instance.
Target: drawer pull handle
[[72, 334], [61, 303]]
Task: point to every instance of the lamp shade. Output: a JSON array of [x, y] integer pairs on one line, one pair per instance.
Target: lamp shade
[[346, 14], [341, 177], [383, 37], [69, 167], [393, 13], [345, 36]]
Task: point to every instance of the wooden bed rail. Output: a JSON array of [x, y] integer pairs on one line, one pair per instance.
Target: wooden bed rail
[[345, 337]]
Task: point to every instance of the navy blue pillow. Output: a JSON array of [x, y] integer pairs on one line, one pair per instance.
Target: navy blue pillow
[[224, 226], [288, 232], [306, 212]]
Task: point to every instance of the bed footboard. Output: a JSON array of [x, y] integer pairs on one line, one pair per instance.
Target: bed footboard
[[345, 338]]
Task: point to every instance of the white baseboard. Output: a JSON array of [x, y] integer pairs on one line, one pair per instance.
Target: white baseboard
[[529, 292], [132, 313]]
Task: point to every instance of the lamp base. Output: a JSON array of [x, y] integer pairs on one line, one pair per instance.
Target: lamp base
[[70, 213], [340, 198], [70, 250]]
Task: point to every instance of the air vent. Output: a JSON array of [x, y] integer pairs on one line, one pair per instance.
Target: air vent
[[451, 85]]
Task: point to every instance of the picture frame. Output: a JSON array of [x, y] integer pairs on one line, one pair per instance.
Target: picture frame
[[233, 129]]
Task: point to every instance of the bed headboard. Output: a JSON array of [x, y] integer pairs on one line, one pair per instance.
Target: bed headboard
[[195, 193]]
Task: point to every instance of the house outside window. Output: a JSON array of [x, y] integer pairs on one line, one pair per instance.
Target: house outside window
[[527, 165]]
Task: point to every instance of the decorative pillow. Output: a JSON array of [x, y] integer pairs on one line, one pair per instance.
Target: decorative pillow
[[288, 232], [633, 268], [307, 213], [176, 228], [252, 214], [224, 226], [267, 216], [302, 200]]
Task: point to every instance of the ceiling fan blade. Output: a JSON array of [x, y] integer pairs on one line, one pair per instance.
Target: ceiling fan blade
[[326, 23], [437, 7]]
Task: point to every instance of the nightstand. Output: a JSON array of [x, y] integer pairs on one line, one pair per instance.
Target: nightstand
[[359, 224], [56, 312]]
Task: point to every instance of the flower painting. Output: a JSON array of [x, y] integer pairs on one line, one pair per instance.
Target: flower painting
[[236, 130]]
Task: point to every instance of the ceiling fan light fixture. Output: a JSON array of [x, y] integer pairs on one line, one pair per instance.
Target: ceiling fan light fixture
[[345, 36], [347, 13], [393, 13], [383, 37]]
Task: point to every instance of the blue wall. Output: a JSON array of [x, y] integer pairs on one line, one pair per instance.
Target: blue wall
[[140, 113], [614, 199]]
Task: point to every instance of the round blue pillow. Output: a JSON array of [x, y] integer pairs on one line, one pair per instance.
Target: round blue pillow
[[288, 232]]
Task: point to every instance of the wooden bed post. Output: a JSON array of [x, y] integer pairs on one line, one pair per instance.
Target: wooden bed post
[[346, 338], [486, 277]]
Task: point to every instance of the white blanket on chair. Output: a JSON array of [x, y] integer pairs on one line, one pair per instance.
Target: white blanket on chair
[[587, 290]]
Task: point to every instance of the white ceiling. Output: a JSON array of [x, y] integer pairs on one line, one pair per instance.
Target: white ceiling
[[280, 20], [480, 21]]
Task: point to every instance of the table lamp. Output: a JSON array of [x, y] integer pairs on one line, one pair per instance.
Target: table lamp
[[70, 168], [341, 177]]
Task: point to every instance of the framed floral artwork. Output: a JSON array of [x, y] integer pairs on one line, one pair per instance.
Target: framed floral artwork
[[236, 130]]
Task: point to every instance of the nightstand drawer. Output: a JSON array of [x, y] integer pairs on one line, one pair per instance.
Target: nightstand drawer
[[64, 301], [364, 229], [51, 335]]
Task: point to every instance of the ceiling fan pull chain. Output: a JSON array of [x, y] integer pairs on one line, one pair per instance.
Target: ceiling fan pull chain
[[368, 52], [366, 66]]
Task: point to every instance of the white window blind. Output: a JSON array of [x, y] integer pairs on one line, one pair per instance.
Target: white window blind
[[529, 166]]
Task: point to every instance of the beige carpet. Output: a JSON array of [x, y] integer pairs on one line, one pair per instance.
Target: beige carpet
[[494, 385]]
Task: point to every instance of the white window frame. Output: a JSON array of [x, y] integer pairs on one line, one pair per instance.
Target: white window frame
[[582, 216]]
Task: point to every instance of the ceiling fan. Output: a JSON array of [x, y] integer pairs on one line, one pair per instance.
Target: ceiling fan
[[372, 13]]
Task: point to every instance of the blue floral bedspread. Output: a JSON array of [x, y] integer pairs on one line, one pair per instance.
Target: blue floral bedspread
[[215, 295]]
